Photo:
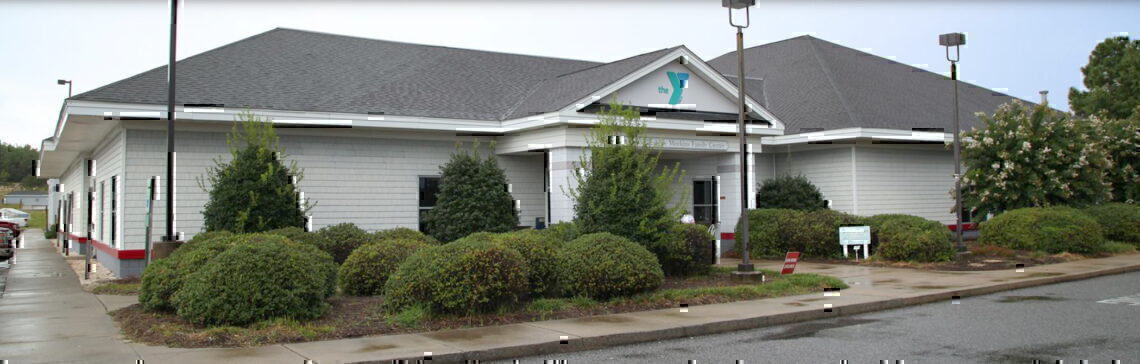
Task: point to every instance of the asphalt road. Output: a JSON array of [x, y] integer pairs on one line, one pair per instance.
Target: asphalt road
[[1062, 321]]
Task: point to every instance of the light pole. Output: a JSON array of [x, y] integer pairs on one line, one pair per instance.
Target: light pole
[[68, 83], [170, 235], [955, 40], [745, 267]]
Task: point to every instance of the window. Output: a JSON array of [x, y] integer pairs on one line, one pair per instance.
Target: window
[[429, 187], [704, 201], [114, 209], [102, 210]]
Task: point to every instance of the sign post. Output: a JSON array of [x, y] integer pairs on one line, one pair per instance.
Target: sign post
[[790, 263], [860, 236]]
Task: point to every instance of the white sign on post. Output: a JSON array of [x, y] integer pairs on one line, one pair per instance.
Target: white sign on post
[[860, 236]]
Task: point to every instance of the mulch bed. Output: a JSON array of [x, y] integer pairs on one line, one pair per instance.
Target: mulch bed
[[979, 259], [361, 316]]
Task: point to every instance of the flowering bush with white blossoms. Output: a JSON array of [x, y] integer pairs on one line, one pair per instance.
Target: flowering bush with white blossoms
[[1120, 140], [1028, 156]]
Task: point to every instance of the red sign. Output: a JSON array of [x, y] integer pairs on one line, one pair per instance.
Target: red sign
[[790, 262]]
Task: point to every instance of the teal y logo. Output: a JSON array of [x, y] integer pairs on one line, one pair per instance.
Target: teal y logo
[[680, 82]]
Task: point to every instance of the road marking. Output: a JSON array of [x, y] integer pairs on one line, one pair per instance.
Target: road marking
[[1133, 300]]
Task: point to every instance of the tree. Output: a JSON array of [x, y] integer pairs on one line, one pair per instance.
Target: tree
[[472, 197], [1120, 140], [1032, 157], [252, 192], [16, 166], [622, 192], [1112, 78]]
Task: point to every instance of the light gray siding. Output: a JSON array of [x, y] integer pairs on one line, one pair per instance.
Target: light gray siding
[[905, 179], [829, 169], [109, 162], [525, 174]]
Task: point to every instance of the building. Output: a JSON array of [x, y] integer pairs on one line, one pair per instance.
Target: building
[[30, 200], [371, 121]]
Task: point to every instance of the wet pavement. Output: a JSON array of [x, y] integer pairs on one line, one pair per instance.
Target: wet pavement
[[1092, 320]]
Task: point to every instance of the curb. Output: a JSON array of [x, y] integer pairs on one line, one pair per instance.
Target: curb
[[611, 340]]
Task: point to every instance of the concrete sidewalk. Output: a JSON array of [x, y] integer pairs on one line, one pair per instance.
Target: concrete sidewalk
[[48, 318]]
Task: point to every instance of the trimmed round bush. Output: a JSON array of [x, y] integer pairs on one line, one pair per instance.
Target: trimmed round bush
[[368, 267], [540, 251], [686, 251], [301, 236], [563, 231], [207, 235], [260, 277], [603, 265], [163, 277], [910, 238], [343, 238], [1048, 229], [404, 233], [789, 192], [466, 276], [768, 235], [1120, 221]]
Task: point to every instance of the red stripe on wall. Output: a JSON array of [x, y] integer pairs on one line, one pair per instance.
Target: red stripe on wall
[[727, 236], [117, 253]]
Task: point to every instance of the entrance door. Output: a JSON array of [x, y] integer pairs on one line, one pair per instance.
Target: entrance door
[[704, 201]]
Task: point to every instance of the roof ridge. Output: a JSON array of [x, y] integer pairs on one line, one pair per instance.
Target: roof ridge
[[620, 60], [140, 74], [430, 45], [831, 81]]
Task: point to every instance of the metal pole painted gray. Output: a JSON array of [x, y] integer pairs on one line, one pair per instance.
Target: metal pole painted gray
[[742, 235], [170, 125]]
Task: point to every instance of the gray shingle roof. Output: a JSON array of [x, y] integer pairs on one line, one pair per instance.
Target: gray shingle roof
[[286, 69], [811, 83]]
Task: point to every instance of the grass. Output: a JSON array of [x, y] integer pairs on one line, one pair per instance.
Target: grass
[[1116, 247], [123, 287], [410, 317]]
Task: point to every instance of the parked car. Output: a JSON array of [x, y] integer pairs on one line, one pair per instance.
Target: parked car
[[15, 216], [11, 226], [7, 244]]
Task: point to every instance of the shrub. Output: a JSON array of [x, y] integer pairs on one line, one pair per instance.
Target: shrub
[[1121, 142], [260, 277], [50, 233], [301, 236], [563, 231], [540, 251], [404, 233], [163, 277], [624, 191], [816, 234], [774, 232], [254, 190], [466, 276], [343, 238], [368, 267], [1121, 222], [789, 192], [472, 197], [770, 232], [208, 235], [603, 265], [910, 238], [687, 250], [1049, 229]]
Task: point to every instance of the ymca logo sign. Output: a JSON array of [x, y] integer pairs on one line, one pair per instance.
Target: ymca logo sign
[[679, 81]]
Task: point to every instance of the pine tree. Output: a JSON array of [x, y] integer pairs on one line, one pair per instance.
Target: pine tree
[[472, 197], [252, 192]]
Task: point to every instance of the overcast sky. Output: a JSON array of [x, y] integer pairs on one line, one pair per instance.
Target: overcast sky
[[1018, 47]]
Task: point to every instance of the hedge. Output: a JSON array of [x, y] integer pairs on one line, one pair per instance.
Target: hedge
[[467, 276], [774, 232], [343, 238], [366, 270], [1120, 221], [910, 238], [1048, 229], [686, 251]]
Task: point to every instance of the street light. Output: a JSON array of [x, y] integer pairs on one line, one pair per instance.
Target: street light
[[68, 83], [745, 267], [955, 40], [170, 235]]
